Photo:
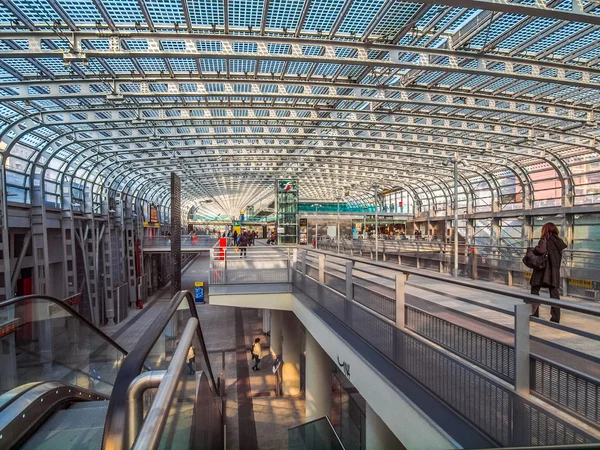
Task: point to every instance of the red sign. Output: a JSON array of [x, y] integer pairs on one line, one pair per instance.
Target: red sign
[[73, 300], [8, 328]]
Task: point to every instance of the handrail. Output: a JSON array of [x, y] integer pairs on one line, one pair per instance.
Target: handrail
[[527, 298], [154, 424], [66, 307], [115, 427], [318, 420]]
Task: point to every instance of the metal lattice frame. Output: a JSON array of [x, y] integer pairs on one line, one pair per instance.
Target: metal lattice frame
[[100, 103]]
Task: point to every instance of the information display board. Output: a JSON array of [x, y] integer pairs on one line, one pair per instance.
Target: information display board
[[199, 291]]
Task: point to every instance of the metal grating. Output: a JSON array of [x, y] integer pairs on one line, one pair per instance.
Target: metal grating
[[492, 355], [567, 389]]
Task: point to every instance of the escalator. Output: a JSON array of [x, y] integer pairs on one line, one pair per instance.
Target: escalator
[[65, 385]]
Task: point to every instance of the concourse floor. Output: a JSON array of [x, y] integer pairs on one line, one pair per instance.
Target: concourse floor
[[255, 417]]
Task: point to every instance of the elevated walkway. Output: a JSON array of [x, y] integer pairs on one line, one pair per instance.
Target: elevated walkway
[[447, 348]]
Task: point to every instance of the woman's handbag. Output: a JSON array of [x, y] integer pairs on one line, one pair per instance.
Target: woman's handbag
[[533, 261]]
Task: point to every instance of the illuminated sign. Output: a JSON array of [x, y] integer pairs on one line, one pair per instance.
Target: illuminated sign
[[287, 185], [8, 327], [153, 214]]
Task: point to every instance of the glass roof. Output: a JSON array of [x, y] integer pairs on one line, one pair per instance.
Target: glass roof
[[111, 96]]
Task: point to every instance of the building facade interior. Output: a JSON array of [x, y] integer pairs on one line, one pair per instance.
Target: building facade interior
[[303, 224]]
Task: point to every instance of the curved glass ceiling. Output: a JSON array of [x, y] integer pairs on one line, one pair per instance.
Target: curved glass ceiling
[[103, 99]]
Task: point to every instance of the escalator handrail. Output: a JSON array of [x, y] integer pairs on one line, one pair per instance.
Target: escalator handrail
[[66, 307], [115, 427]]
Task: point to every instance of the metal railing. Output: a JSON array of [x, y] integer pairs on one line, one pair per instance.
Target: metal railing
[[564, 387], [501, 264], [187, 241], [503, 414], [250, 265]]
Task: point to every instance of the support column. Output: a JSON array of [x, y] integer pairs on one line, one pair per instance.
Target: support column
[[290, 353], [318, 380], [377, 435], [266, 320], [276, 317]]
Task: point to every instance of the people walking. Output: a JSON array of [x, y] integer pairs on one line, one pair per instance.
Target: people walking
[[243, 243], [256, 352], [552, 246]]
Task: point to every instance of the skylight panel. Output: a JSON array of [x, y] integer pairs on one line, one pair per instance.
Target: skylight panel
[[397, 16], [581, 42], [209, 46], [152, 65], [284, 14], [6, 17], [526, 33], [21, 65], [206, 12], [245, 47], [557, 37], [165, 12], [359, 16], [498, 27], [38, 11], [183, 64], [245, 13], [326, 69], [125, 12], [54, 65], [322, 15], [81, 11], [242, 65], [274, 67], [301, 68], [119, 65]]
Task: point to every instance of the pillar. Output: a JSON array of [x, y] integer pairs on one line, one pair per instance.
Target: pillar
[[266, 321], [290, 353], [275, 333], [318, 380], [377, 435]]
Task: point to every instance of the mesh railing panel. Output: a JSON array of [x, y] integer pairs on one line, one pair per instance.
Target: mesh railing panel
[[249, 276], [498, 412], [335, 282], [566, 389], [384, 305], [494, 356]]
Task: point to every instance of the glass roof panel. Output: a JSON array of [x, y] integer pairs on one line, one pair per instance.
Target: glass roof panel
[[284, 14], [322, 15], [206, 13], [124, 11], [81, 11], [165, 12]]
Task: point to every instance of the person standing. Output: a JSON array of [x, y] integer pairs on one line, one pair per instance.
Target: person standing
[[256, 354], [244, 240], [549, 276], [191, 360]]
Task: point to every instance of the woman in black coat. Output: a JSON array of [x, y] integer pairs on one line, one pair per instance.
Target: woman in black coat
[[549, 276]]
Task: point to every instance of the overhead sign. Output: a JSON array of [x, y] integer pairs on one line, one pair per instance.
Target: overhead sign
[[287, 185], [153, 214]]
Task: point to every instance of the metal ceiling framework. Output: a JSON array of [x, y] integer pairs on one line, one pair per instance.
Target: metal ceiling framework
[[101, 100]]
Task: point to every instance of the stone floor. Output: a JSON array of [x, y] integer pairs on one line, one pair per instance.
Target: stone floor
[[255, 417]]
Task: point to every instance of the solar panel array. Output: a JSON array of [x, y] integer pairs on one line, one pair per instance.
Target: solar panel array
[[111, 96]]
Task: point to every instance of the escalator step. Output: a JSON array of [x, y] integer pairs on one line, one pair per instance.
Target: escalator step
[[73, 428], [88, 405]]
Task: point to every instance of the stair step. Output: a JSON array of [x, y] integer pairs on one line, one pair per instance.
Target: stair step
[[79, 427]]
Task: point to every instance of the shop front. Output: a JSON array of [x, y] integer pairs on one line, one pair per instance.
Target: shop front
[[389, 227]]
